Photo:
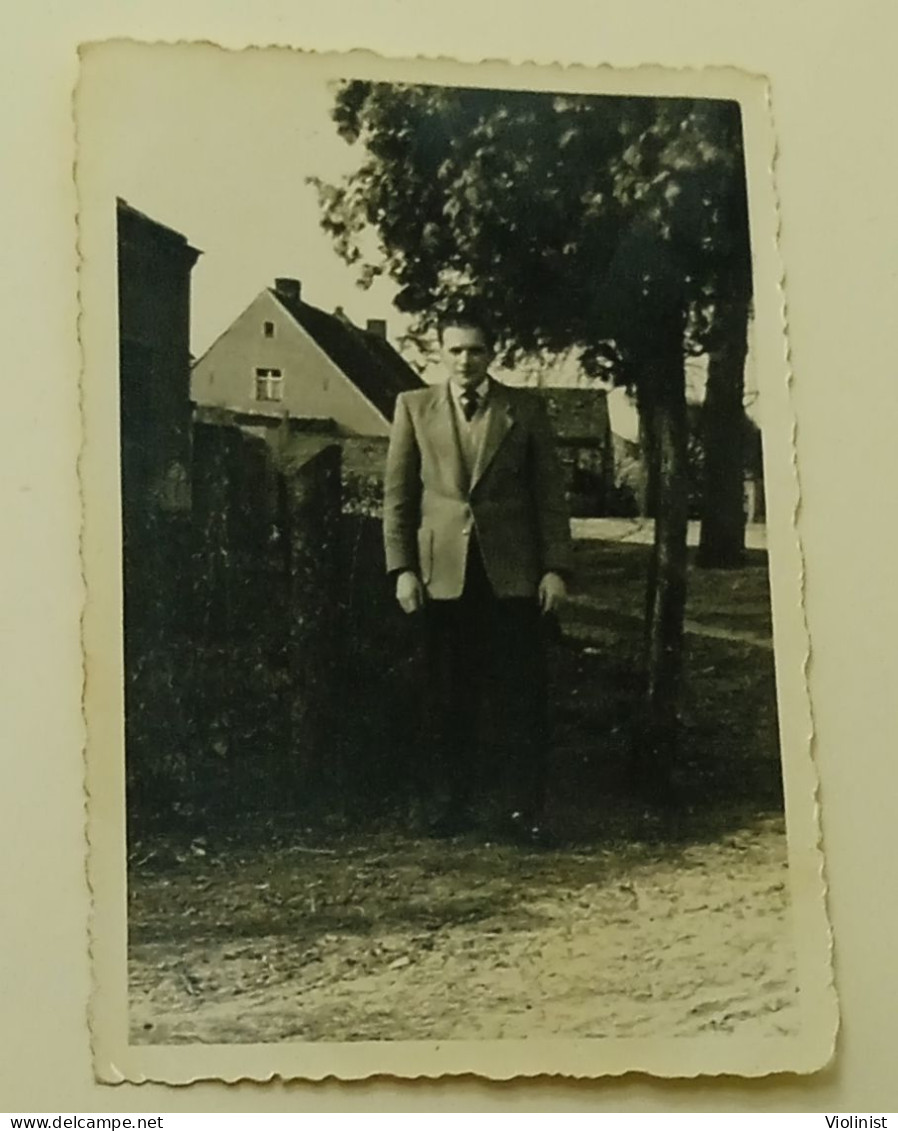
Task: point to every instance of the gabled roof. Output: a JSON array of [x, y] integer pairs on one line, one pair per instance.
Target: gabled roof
[[368, 360], [577, 415]]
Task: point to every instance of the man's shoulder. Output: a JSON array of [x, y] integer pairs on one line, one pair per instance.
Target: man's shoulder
[[416, 398]]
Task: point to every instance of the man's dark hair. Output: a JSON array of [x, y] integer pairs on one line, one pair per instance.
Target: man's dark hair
[[468, 318]]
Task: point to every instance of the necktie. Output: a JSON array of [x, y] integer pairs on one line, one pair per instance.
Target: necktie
[[469, 402]]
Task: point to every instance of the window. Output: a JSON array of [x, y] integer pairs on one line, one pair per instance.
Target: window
[[268, 329], [269, 385]]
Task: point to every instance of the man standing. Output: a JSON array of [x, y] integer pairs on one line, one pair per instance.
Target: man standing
[[477, 537]]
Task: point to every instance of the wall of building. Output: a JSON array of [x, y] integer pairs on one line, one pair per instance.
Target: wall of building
[[154, 267], [154, 329], [313, 386]]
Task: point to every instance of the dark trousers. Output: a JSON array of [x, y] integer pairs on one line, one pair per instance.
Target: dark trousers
[[488, 676]]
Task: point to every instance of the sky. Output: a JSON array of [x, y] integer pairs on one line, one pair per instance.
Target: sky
[[220, 146]]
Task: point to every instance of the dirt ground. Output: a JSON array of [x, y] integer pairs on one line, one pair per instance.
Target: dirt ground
[[383, 936], [356, 929]]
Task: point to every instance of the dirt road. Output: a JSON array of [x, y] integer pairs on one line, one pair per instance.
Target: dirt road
[[388, 937]]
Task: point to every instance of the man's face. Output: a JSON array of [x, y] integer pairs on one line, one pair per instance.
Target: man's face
[[465, 354]]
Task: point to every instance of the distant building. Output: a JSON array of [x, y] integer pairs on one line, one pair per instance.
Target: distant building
[[154, 265], [283, 358], [629, 465], [582, 427]]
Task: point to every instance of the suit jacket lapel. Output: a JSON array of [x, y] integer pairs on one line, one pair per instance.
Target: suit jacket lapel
[[499, 422], [445, 430]]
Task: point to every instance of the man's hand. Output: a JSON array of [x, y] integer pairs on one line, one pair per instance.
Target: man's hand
[[552, 590], [409, 591]]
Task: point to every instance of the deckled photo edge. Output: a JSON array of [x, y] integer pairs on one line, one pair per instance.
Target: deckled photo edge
[[115, 1059]]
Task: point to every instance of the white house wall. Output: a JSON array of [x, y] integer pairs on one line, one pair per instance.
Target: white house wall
[[225, 376]]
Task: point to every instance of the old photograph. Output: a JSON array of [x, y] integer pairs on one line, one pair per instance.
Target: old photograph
[[439, 497]]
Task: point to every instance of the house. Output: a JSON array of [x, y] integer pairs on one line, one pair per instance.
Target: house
[[283, 358], [582, 427], [154, 266]]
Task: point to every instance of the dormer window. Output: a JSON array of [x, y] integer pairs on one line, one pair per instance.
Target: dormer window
[[269, 385], [268, 329]]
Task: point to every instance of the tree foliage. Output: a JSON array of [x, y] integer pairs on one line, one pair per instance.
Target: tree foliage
[[573, 219]]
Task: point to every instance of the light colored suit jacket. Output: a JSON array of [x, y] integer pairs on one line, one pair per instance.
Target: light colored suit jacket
[[513, 498]]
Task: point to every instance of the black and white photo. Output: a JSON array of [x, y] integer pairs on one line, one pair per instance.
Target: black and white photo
[[444, 636]]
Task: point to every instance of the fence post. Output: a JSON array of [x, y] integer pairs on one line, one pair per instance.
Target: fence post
[[313, 499]]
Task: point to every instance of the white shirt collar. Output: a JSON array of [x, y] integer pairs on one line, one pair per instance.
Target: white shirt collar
[[482, 389]]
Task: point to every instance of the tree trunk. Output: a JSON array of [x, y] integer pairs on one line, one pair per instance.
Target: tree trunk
[[650, 458], [722, 544], [647, 500], [665, 624], [666, 583]]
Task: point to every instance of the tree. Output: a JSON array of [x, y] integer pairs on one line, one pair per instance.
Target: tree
[[577, 222], [724, 334], [722, 542]]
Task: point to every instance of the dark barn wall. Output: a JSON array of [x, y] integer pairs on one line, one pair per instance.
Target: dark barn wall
[[154, 265], [154, 340]]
